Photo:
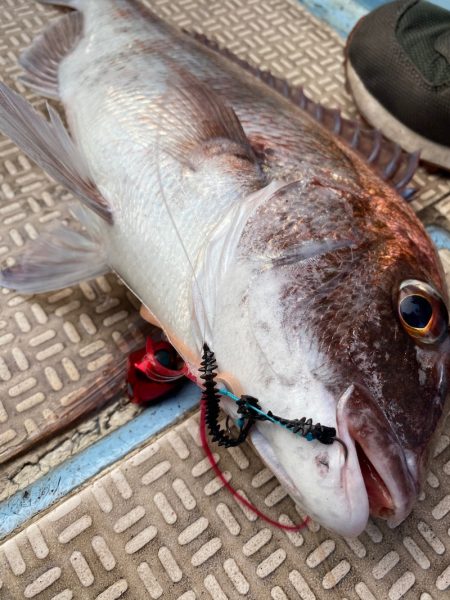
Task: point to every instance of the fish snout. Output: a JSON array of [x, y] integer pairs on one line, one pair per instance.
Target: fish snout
[[391, 475]]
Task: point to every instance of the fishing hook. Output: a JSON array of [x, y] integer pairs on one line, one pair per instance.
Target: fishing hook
[[250, 411]]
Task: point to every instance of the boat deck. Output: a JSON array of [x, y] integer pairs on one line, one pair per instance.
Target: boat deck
[[122, 503]]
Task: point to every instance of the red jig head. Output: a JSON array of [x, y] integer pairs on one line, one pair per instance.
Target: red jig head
[[153, 371]]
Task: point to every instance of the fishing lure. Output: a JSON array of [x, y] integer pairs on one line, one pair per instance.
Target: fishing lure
[[250, 411], [153, 371]]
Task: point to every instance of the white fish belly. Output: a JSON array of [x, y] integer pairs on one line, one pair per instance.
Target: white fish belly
[[114, 96]]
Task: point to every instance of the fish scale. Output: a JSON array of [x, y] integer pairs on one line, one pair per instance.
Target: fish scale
[[220, 197], [130, 111]]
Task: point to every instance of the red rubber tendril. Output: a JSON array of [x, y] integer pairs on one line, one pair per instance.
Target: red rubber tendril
[[230, 488]]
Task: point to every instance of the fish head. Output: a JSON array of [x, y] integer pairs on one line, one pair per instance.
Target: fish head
[[340, 316]]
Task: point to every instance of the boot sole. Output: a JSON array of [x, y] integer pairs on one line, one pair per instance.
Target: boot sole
[[393, 129]]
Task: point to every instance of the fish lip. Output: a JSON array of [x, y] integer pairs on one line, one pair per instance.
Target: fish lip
[[350, 498], [368, 427]]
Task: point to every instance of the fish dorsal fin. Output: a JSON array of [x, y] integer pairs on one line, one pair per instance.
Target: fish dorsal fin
[[41, 60], [49, 145], [386, 158]]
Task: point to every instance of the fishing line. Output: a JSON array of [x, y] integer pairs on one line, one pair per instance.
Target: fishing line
[[203, 401], [177, 233], [242, 499]]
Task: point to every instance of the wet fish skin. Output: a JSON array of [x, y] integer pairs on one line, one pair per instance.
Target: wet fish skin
[[298, 251], [338, 312]]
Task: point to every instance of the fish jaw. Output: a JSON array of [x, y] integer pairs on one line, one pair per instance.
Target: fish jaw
[[335, 497], [389, 472], [330, 489], [377, 477]]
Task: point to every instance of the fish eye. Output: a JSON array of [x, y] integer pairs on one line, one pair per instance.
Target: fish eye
[[422, 311]]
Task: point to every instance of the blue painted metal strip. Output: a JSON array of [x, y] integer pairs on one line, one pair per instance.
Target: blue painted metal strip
[[372, 4], [72, 473], [342, 15], [439, 236]]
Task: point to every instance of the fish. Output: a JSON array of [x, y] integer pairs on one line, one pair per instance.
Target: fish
[[237, 213]]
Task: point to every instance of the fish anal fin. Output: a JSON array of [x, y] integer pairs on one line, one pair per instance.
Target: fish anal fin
[[98, 388], [386, 158], [57, 259], [41, 60], [49, 145]]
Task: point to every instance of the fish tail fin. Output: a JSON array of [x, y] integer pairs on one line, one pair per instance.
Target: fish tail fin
[[50, 146], [41, 60], [99, 388]]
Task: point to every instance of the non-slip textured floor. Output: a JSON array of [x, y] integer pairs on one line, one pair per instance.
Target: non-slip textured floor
[[129, 532], [160, 525], [52, 347]]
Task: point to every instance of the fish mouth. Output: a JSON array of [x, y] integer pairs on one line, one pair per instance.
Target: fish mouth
[[390, 485]]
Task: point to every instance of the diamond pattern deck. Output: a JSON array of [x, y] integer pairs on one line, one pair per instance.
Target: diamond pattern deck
[[157, 526], [160, 525]]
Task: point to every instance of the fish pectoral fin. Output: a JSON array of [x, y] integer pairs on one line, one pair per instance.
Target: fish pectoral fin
[[50, 146], [217, 130], [41, 60], [57, 259]]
